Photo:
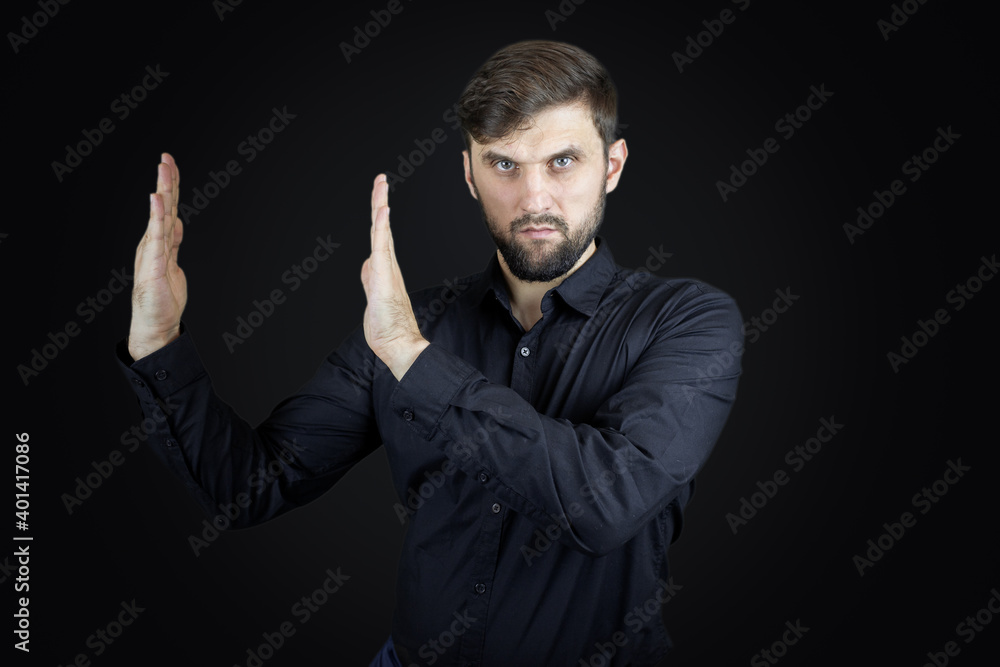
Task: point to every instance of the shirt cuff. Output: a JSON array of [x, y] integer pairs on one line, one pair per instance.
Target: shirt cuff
[[425, 392], [164, 372]]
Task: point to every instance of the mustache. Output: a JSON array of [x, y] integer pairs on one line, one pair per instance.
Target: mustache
[[543, 220]]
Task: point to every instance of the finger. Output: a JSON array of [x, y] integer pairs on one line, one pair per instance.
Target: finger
[[378, 179], [164, 190], [150, 250], [381, 258], [380, 195], [378, 236], [388, 233], [175, 176], [388, 247], [178, 223], [376, 198], [178, 237], [365, 270], [382, 208]]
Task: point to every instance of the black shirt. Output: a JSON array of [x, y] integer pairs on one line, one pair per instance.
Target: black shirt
[[542, 473]]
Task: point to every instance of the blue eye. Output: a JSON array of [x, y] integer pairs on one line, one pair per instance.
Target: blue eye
[[505, 162], [567, 161]]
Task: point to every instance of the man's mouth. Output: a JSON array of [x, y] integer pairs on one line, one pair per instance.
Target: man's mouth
[[537, 232]]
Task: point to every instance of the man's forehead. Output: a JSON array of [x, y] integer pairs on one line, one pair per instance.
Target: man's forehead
[[555, 129]]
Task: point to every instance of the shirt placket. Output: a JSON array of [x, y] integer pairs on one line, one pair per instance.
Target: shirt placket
[[494, 513]]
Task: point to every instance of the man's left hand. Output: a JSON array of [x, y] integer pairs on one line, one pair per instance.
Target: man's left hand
[[390, 325]]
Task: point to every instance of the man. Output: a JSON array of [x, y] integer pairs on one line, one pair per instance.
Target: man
[[549, 421]]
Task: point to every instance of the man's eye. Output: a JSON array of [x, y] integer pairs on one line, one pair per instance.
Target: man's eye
[[505, 165], [562, 161]]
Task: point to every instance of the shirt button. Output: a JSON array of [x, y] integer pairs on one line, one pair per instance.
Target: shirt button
[[496, 508], [161, 374], [480, 588], [138, 382], [170, 442], [483, 477], [525, 351], [408, 415]]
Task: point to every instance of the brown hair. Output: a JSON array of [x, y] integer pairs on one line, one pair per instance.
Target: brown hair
[[525, 78]]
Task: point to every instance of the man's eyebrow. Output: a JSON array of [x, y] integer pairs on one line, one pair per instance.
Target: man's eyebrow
[[571, 150]]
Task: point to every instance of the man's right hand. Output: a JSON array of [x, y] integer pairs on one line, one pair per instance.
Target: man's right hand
[[160, 290]]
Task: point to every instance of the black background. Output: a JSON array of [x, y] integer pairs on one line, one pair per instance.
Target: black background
[[826, 357]]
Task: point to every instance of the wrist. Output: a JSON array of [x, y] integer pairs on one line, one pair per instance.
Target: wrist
[[142, 344], [403, 355]]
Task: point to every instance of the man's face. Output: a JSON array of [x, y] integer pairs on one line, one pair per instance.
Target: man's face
[[542, 191]]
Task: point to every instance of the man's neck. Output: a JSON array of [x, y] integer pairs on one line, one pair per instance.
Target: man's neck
[[526, 297]]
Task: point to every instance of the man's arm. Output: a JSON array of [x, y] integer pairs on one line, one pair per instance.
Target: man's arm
[[306, 445], [608, 477], [309, 441]]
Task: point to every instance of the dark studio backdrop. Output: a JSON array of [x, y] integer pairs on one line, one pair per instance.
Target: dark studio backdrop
[[777, 535]]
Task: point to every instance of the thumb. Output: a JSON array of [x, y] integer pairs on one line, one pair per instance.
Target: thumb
[[365, 271]]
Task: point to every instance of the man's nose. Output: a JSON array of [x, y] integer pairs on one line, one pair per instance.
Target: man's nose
[[536, 197]]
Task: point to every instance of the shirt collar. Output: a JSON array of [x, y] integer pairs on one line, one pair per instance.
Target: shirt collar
[[582, 290]]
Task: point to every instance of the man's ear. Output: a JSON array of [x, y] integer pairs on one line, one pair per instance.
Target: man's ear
[[617, 154], [468, 173]]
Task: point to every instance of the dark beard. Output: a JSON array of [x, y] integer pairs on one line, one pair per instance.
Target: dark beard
[[521, 258]]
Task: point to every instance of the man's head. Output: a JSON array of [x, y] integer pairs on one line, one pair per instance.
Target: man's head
[[539, 121]]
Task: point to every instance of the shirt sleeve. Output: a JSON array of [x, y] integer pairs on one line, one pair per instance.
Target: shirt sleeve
[[607, 478], [309, 441]]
